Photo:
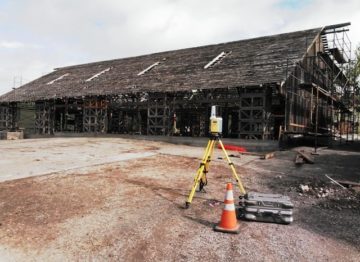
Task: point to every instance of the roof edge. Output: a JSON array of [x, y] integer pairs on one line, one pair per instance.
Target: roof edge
[[195, 47]]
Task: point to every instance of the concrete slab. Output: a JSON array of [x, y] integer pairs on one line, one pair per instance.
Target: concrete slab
[[22, 159], [249, 144], [35, 157]]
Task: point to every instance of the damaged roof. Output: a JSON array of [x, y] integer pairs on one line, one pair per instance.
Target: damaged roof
[[247, 62]]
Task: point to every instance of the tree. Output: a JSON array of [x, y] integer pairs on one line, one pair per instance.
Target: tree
[[355, 82], [355, 73]]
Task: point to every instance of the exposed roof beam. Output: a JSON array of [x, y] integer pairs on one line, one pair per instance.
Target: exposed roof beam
[[336, 26], [326, 32]]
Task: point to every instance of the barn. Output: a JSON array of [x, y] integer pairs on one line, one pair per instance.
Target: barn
[[291, 83]]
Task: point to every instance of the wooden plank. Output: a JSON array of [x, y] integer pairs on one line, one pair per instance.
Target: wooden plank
[[334, 181], [251, 154], [263, 156], [268, 156], [308, 158], [299, 160], [296, 125], [347, 183]]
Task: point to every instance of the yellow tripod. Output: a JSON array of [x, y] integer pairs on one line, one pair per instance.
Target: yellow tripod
[[200, 177]]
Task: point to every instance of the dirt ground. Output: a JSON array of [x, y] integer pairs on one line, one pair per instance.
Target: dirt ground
[[123, 200]]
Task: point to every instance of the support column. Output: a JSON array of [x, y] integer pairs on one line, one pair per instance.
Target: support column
[[95, 115], [253, 122], [158, 117], [44, 118], [6, 117]]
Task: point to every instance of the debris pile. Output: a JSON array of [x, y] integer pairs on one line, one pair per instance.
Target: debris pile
[[318, 191], [331, 196]]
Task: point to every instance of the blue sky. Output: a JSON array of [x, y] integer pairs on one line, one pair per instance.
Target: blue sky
[[3, 2], [37, 36], [294, 4]]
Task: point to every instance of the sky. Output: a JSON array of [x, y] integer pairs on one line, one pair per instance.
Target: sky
[[37, 36]]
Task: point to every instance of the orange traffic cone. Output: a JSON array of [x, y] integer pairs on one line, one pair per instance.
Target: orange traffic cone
[[228, 223]]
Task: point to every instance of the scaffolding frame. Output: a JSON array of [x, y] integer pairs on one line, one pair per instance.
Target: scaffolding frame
[[317, 89]]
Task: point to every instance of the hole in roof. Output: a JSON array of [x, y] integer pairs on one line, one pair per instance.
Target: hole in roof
[[149, 68], [98, 74], [57, 79], [217, 59]]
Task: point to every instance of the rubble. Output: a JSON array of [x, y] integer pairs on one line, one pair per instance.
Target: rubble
[[330, 195], [304, 188]]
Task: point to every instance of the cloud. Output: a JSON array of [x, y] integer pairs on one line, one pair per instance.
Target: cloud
[[16, 45], [70, 32], [11, 45]]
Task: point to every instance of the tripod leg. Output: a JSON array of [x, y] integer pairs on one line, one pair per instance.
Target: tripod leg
[[242, 190], [200, 172], [203, 181]]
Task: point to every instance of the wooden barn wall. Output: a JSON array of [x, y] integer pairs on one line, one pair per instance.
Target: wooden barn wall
[[246, 111]]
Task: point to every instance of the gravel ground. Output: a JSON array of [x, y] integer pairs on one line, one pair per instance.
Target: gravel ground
[[133, 208]]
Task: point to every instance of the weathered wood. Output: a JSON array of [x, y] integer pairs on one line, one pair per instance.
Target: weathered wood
[[308, 158], [347, 183], [158, 117], [268, 155], [15, 135], [95, 116], [334, 181], [6, 118], [251, 62], [299, 160], [263, 156], [44, 118], [268, 81]]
